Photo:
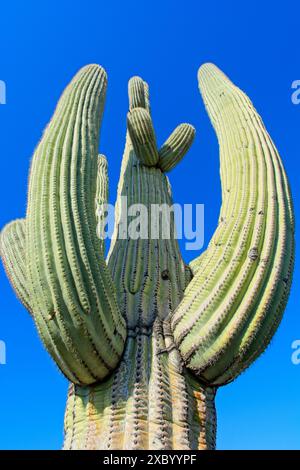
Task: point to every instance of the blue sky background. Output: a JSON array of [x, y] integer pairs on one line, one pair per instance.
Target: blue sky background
[[42, 44]]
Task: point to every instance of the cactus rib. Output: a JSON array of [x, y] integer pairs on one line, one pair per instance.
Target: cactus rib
[[101, 198]]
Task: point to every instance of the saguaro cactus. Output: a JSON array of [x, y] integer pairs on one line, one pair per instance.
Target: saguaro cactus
[[144, 339]]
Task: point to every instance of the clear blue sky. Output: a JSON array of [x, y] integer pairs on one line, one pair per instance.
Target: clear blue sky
[[42, 44]]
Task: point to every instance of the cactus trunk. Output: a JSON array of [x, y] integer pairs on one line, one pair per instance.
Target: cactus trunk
[[150, 402]]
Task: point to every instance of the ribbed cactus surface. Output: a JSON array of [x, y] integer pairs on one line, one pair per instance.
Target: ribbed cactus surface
[[145, 339]]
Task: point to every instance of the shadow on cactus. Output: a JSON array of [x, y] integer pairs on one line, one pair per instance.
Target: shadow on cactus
[[144, 339]]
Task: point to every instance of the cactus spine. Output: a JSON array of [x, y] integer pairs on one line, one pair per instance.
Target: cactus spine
[[144, 339]]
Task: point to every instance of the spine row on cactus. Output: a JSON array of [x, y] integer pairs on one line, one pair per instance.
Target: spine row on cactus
[[101, 198], [74, 303], [233, 305]]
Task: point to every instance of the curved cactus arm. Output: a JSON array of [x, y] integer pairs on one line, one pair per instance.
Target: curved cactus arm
[[176, 146], [72, 294], [12, 251], [236, 298], [101, 198]]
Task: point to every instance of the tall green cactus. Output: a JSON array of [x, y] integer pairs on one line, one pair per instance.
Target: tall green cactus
[[144, 339]]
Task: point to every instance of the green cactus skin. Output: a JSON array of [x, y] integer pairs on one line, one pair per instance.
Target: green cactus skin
[[236, 299], [145, 339], [176, 146], [101, 198], [12, 243]]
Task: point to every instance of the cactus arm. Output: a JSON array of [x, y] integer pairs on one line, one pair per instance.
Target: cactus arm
[[101, 198], [138, 93], [73, 298], [234, 303], [275, 297], [12, 251], [176, 146], [141, 132]]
